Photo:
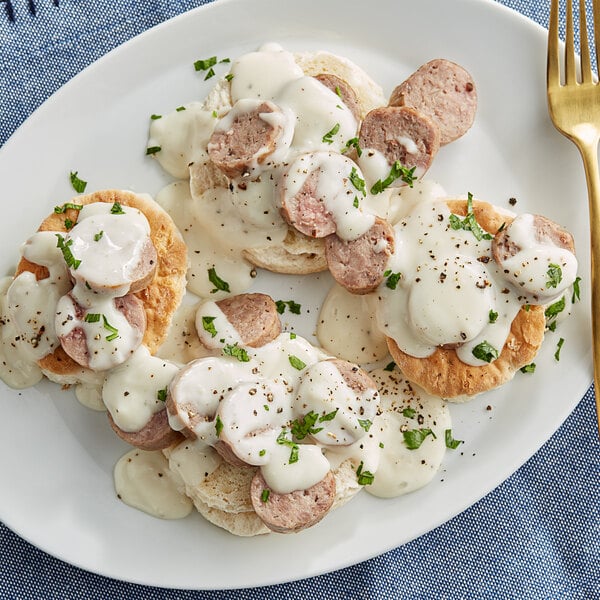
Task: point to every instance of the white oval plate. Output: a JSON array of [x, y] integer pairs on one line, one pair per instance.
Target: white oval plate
[[57, 456]]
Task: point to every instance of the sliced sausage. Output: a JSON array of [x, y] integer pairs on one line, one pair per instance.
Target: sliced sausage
[[358, 379], [155, 435], [248, 136], [293, 512], [401, 134], [254, 316], [359, 265], [342, 89], [536, 255], [74, 342], [443, 91]]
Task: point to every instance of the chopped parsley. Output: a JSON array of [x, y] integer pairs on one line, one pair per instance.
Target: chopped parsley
[[210, 73], [554, 274], [305, 426], [469, 223], [485, 352], [329, 416], [78, 184], [357, 181], [338, 92], [265, 495], [296, 362], [555, 309], [328, 137], [92, 317], [71, 261], [218, 425], [530, 368], [413, 438], [98, 236], [355, 202], [114, 332], [392, 279], [208, 325], [365, 424], [293, 307], [282, 440], [493, 316], [576, 291], [389, 366], [558, 348], [292, 335], [219, 284], [352, 143], [236, 352], [398, 171], [117, 209], [155, 117], [409, 413], [229, 76], [205, 63], [162, 394], [153, 150], [180, 108], [364, 477], [59, 210], [262, 452], [450, 441], [69, 224]]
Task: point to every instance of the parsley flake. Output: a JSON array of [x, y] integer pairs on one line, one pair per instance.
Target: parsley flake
[[296, 362], [117, 209], [283, 441], [79, 185], [558, 348], [205, 63], [153, 150], [413, 438], [329, 416], [398, 171], [219, 284], [92, 317], [493, 316], [59, 210], [328, 137], [293, 307], [530, 368], [302, 427], [469, 223], [155, 117], [409, 413], [265, 495], [357, 181], [365, 424], [485, 352], [218, 425], [389, 366], [64, 247], [352, 143], [450, 441], [98, 236], [236, 352], [555, 309], [554, 274], [208, 325], [114, 332], [364, 477], [210, 73], [576, 291], [180, 108], [162, 394], [392, 279]]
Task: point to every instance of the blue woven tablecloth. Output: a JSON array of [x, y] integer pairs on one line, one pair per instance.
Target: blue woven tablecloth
[[536, 536]]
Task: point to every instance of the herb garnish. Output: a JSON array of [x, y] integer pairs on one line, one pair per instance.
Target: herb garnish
[[558, 347], [78, 184], [364, 477], [352, 143], [555, 309], [218, 425], [282, 440], [357, 181], [305, 426], [530, 368], [162, 394], [329, 416], [71, 261], [219, 284], [153, 150], [69, 224], [413, 438], [365, 424], [59, 210], [409, 413], [554, 274], [116, 209], [265, 495], [98, 236], [229, 76], [114, 332], [485, 352], [205, 63], [389, 366], [208, 325], [397, 171], [210, 73], [92, 317], [469, 223], [392, 279], [155, 117], [296, 362], [237, 352], [450, 441], [180, 108], [576, 291], [294, 307], [328, 137], [355, 202], [493, 316]]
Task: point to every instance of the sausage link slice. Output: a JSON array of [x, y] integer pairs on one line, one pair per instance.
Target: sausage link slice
[[342, 89], [445, 92], [248, 137], [155, 435], [295, 511], [359, 265], [402, 134]]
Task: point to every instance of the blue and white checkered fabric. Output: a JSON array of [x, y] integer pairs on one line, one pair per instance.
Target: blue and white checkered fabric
[[536, 536]]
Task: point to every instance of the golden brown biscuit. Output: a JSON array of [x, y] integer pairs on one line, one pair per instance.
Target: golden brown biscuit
[[161, 297], [443, 373]]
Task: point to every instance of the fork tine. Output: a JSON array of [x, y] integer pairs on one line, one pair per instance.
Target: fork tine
[[586, 67], [553, 69], [596, 15], [570, 65]]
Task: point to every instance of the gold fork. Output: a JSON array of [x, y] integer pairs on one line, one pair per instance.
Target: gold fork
[[575, 111]]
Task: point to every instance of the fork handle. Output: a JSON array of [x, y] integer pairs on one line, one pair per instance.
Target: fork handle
[[589, 153]]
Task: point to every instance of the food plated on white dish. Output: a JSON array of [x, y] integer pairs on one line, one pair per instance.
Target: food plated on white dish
[[461, 225]]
